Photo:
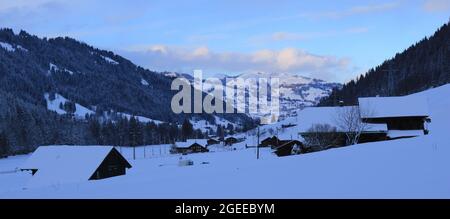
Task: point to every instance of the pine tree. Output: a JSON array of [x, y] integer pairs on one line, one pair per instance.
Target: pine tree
[[4, 144], [95, 129], [186, 129]]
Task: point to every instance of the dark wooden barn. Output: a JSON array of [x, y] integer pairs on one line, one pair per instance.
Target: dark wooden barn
[[269, 142], [74, 163], [114, 164], [339, 139], [402, 114], [400, 123], [230, 141], [190, 146], [212, 141], [286, 147]]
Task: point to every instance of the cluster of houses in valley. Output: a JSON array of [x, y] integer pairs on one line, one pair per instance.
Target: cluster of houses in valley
[[317, 128], [201, 145], [373, 119]]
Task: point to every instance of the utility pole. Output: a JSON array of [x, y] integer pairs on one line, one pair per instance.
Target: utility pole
[[390, 82], [257, 146]]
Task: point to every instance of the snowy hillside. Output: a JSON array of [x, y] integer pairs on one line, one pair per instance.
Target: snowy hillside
[[55, 105], [296, 91], [80, 111], [405, 168]]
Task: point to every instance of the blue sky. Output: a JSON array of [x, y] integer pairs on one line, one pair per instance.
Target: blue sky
[[331, 40]]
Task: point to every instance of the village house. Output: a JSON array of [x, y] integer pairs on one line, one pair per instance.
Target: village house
[[54, 164], [330, 126], [190, 146], [269, 142], [405, 116], [288, 147], [230, 141], [283, 147], [213, 141]]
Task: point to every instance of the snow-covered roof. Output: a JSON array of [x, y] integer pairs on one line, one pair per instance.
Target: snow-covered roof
[[56, 164], [189, 142], [328, 115], [402, 106]]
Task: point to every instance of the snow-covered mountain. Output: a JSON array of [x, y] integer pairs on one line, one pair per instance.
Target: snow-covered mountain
[[296, 91]]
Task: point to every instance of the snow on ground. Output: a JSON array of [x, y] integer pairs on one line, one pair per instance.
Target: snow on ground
[[22, 48], [313, 93], [404, 168], [8, 47], [144, 82], [110, 60], [141, 118], [206, 126], [80, 111], [52, 67], [68, 71]]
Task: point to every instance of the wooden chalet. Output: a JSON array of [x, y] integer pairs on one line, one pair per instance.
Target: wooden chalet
[[288, 147], [212, 141], [56, 164], [230, 141], [328, 116], [269, 142], [405, 116], [190, 146]]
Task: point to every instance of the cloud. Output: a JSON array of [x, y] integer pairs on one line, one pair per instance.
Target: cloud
[[355, 10], [282, 36], [288, 60], [20, 4], [436, 5], [294, 36]]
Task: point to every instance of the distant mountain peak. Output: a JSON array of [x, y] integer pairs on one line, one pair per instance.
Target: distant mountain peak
[[296, 91]]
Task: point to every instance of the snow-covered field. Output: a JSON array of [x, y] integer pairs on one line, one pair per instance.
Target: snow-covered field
[[406, 168]]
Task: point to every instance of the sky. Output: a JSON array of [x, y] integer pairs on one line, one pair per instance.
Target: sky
[[330, 40]]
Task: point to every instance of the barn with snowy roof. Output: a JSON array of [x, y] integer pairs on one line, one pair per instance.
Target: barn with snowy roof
[[314, 116], [190, 146], [405, 116], [58, 164]]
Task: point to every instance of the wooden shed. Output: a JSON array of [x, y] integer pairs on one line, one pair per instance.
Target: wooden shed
[[190, 146], [405, 116], [230, 141], [269, 142], [55, 164], [286, 148], [213, 141]]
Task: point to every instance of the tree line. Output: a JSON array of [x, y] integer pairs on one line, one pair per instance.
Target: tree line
[[423, 65], [132, 132]]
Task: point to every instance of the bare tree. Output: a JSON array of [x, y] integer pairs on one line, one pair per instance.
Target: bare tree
[[321, 136], [348, 120]]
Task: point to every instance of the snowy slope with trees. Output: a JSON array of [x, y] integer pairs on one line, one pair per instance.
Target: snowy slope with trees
[[405, 168]]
